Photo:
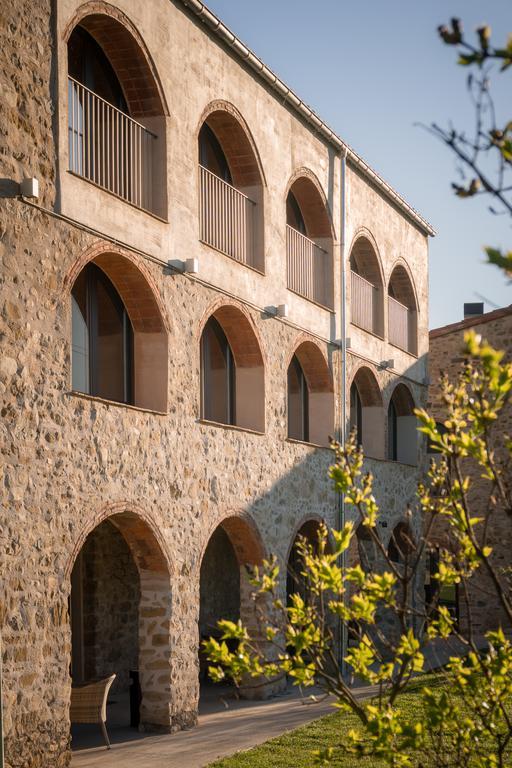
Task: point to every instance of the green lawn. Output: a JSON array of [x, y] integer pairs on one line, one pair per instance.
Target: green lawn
[[294, 749]]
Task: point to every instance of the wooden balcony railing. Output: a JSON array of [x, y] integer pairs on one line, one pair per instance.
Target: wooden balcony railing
[[226, 218], [399, 325], [363, 301], [306, 267], [109, 148]]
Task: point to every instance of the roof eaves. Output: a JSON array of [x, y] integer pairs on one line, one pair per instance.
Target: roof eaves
[[469, 322], [291, 98]]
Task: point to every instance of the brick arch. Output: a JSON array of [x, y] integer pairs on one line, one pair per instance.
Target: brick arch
[[365, 258], [138, 528], [154, 610], [308, 527], [314, 364], [240, 331], [401, 541], [367, 386], [403, 400], [123, 45], [244, 537], [132, 280], [312, 202], [237, 142], [404, 288]]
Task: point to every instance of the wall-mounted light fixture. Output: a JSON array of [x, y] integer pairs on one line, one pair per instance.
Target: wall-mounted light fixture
[[189, 266], [387, 363], [30, 188]]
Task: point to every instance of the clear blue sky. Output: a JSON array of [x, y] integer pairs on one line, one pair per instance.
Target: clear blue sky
[[372, 69]]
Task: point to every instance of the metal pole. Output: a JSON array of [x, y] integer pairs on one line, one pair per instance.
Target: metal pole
[[1, 709], [343, 387]]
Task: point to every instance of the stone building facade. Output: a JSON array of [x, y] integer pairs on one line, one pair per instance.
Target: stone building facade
[[172, 314], [481, 604]]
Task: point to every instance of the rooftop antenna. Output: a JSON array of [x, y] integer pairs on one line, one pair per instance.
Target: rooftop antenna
[[487, 301]]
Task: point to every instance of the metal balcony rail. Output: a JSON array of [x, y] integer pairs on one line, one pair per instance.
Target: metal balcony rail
[[109, 148], [399, 320], [306, 266], [363, 302], [226, 218]]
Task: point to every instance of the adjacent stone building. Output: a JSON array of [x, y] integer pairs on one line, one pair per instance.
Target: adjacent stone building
[[480, 604], [172, 321]]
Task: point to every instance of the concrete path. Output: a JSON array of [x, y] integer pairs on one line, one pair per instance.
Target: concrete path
[[220, 732]]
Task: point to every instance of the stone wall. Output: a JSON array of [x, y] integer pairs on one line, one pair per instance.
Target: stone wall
[[111, 596], [165, 477], [446, 356]]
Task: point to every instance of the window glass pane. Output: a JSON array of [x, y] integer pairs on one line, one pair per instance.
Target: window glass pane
[[218, 375], [298, 406], [392, 432], [211, 154], [294, 216], [110, 343], [80, 336], [356, 416]]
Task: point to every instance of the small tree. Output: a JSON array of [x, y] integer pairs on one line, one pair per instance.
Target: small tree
[[466, 713]]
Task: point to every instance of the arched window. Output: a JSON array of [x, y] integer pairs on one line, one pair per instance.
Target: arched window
[[232, 372], [402, 427], [118, 336], [309, 242], [401, 544], [116, 112], [310, 396], [366, 413], [231, 189], [102, 345], [298, 402], [402, 311], [218, 375], [356, 414], [366, 287]]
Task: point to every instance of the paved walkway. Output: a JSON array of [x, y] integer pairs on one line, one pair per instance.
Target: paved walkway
[[221, 731]]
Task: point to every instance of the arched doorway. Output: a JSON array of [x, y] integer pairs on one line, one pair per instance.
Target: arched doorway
[[366, 287], [402, 311], [231, 187], [225, 592], [309, 240], [120, 608], [296, 582], [116, 109]]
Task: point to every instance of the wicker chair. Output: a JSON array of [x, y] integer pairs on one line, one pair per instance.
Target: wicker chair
[[89, 704]]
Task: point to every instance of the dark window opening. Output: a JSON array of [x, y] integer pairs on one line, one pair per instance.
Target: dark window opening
[[102, 339], [432, 447], [356, 414], [392, 432], [294, 216], [88, 64], [298, 402], [218, 375], [211, 154], [400, 545]]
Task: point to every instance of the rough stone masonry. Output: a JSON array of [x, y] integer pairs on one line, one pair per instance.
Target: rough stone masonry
[[155, 472]]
